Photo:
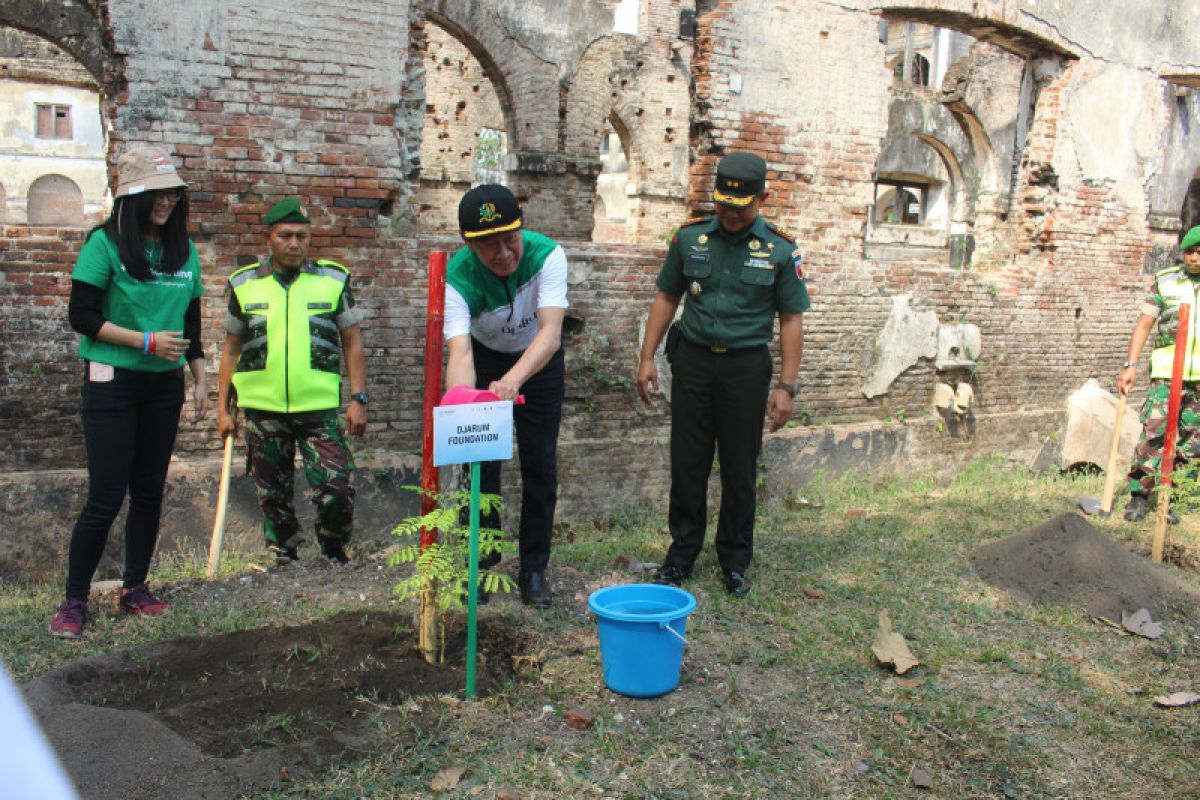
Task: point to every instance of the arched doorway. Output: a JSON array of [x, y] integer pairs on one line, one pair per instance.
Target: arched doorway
[[55, 200], [465, 139]]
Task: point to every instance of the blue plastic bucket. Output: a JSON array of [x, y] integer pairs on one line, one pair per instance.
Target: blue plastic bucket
[[642, 629]]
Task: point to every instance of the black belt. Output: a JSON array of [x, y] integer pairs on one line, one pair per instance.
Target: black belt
[[712, 348]]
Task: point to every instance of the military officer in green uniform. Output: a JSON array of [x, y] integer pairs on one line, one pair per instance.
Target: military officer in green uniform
[[738, 272], [291, 326], [1172, 288]]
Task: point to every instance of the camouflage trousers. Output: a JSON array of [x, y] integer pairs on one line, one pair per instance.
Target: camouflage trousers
[[271, 442], [1147, 457]]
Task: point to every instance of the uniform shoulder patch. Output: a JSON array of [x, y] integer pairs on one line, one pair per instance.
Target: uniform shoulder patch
[[781, 232], [324, 262], [246, 268]]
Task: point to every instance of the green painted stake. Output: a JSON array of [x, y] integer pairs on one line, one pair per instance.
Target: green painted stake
[[472, 579]]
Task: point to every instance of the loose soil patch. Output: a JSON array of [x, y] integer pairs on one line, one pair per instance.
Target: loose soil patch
[[209, 717], [1067, 560]]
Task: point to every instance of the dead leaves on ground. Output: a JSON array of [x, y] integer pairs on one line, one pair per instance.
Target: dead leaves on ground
[[891, 648]]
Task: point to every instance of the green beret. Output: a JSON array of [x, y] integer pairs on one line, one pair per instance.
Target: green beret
[[290, 209], [1190, 239]]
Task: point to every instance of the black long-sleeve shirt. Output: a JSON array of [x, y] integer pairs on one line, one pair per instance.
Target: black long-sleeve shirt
[[85, 313]]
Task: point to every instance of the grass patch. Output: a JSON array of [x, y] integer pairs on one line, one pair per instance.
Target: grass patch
[[780, 696]]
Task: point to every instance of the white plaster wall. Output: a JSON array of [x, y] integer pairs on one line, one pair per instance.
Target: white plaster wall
[[1117, 118], [24, 158]]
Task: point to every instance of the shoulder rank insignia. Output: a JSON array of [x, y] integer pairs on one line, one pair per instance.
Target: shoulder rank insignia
[[781, 232], [694, 221]]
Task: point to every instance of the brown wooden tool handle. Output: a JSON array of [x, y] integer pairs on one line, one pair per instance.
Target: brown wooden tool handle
[[1110, 477], [218, 534]]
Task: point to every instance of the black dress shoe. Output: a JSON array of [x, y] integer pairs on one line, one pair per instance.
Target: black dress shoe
[[533, 589], [737, 584], [668, 575], [1140, 504], [333, 550]]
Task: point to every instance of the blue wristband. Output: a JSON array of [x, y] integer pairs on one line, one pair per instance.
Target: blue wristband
[[145, 343]]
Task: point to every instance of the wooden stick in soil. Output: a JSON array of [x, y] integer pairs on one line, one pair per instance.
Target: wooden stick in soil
[[218, 534], [1110, 478]]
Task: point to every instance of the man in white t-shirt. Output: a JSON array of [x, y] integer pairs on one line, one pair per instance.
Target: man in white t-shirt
[[506, 295]]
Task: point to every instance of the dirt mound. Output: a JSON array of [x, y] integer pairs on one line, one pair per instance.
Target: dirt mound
[[209, 717], [1067, 560]]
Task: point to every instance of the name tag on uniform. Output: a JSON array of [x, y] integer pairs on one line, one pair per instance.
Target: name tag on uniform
[[759, 263], [256, 306], [698, 257]]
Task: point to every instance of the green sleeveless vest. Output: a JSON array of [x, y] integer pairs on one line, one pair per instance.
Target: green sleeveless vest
[[1175, 288], [292, 356]]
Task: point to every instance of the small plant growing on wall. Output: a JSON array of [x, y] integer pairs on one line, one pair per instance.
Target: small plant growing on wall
[[443, 566]]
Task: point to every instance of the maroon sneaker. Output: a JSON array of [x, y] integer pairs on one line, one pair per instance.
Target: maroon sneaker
[[68, 622], [140, 602]]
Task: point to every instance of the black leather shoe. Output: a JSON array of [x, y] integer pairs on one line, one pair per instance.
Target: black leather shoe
[[283, 555], [1139, 505], [1135, 510], [736, 584], [668, 575], [533, 589], [333, 550]]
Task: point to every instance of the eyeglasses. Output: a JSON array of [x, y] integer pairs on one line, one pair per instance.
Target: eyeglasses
[[170, 195]]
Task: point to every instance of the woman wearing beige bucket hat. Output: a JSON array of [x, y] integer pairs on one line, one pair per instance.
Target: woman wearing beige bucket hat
[[135, 303]]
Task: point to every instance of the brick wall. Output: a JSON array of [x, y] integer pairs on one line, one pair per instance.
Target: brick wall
[[263, 101]]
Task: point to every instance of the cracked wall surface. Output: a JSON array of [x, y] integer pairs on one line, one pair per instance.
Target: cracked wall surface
[[1072, 202]]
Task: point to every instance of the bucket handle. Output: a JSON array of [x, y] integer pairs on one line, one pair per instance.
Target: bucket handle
[[674, 632]]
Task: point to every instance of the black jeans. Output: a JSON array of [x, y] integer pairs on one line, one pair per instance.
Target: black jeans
[[129, 426], [536, 424], [718, 401]]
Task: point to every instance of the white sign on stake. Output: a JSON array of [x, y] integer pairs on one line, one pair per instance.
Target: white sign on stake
[[472, 432]]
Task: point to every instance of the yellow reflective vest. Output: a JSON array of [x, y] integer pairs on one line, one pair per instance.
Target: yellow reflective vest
[[1176, 288], [292, 354]]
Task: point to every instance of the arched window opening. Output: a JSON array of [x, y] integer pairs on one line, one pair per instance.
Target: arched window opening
[[919, 55], [491, 149], [55, 200], [465, 138], [612, 202]]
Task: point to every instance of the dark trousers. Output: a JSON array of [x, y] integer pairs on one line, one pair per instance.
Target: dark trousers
[[129, 426], [718, 401], [536, 423]]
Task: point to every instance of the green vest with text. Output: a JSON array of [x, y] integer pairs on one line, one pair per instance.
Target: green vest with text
[[291, 357], [1176, 288]]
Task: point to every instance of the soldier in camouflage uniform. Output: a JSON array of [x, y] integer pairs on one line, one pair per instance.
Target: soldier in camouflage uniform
[[1172, 287], [291, 324]]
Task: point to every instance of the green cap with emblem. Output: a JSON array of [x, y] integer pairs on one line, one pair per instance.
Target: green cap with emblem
[[290, 209], [741, 177], [1190, 239]]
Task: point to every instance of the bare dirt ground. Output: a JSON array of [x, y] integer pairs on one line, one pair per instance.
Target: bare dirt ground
[[211, 717], [1068, 559]]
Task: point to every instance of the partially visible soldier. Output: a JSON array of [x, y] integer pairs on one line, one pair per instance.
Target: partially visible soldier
[[1172, 287], [739, 272], [291, 324]]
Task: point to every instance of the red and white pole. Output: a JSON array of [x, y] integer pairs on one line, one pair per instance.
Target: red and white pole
[[1174, 401], [435, 314]]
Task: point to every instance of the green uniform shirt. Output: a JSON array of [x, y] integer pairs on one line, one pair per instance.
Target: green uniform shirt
[[156, 305], [735, 283]]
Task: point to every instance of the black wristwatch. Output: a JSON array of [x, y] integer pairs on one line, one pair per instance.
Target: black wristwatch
[[360, 397], [790, 388]]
